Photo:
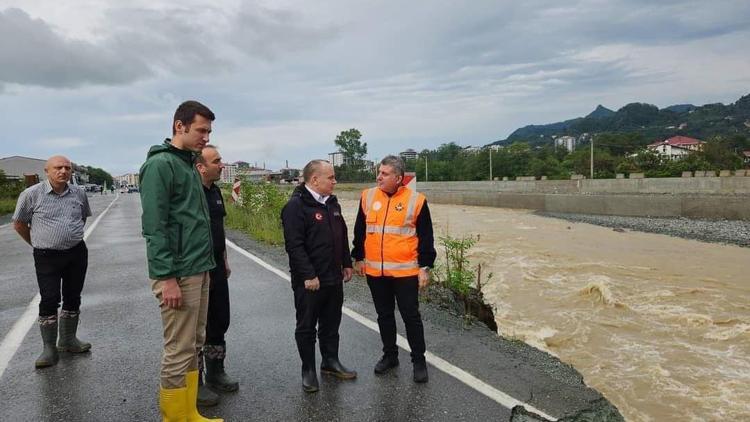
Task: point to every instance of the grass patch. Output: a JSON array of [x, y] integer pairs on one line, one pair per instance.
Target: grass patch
[[264, 227], [258, 213]]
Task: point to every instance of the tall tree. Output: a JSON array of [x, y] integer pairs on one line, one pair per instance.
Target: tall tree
[[98, 176], [349, 143]]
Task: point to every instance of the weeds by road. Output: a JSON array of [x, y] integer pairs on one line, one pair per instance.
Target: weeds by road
[[258, 213], [7, 205]]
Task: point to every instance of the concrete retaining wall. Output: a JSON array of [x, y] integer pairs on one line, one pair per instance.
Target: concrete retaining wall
[[710, 198], [733, 185]]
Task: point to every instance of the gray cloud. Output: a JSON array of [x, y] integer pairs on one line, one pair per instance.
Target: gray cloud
[[405, 73], [32, 53], [268, 34], [139, 43]]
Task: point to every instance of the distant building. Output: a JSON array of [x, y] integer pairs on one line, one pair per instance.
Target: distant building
[[229, 173], [676, 147], [408, 154], [471, 150], [746, 158], [130, 179], [241, 165], [16, 167], [336, 158], [567, 142], [259, 175], [290, 175]]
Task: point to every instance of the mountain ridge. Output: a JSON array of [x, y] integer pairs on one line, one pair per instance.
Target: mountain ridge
[[646, 119]]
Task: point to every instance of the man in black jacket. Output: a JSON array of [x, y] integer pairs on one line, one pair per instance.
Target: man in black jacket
[[316, 241]]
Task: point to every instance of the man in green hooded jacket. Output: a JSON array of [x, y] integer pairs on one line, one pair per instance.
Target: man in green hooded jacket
[[176, 226]]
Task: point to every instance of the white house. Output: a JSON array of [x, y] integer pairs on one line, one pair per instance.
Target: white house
[[676, 147]]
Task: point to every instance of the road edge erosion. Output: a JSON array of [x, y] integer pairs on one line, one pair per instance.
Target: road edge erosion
[[542, 379]]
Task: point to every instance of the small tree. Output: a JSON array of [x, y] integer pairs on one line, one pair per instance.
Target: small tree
[[719, 154], [349, 143], [353, 169]]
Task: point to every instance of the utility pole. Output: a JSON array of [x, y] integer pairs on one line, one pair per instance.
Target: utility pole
[[592, 158], [425, 168], [490, 164]]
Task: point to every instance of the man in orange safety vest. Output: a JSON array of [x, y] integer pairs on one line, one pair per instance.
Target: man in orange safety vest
[[394, 248]]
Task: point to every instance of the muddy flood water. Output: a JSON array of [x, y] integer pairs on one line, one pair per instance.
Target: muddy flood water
[[659, 325]]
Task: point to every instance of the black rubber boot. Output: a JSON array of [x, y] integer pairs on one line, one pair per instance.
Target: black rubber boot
[[385, 364], [309, 379], [216, 377], [306, 349], [420, 372], [206, 397], [49, 356], [332, 366], [309, 376], [68, 342]]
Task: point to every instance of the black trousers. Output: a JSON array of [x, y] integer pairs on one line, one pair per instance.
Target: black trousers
[[217, 321], [321, 308], [58, 270], [404, 290]]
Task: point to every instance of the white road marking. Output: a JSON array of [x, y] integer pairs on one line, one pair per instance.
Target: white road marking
[[470, 380], [15, 336]]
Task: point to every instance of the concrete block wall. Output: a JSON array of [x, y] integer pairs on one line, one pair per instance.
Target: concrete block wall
[[726, 197], [702, 206]]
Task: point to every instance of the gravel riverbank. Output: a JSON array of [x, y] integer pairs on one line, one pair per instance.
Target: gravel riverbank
[[722, 231]]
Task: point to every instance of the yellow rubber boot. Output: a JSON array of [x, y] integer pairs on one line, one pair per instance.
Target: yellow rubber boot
[[192, 398], [172, 404]]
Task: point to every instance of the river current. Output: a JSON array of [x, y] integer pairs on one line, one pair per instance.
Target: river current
[[659, 325]]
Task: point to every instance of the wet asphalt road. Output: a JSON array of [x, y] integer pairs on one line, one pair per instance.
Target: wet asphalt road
[[118, 380]]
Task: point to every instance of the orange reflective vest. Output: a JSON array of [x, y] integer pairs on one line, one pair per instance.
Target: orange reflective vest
[[391, 233]]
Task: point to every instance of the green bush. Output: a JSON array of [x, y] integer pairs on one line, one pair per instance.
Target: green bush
[[9, 191], [456, 273], [7, 206]]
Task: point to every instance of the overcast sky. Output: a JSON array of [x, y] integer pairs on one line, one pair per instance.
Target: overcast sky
[[98, 80]]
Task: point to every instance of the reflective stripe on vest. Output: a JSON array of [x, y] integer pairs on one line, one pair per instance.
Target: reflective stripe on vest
[[410, 209], [370, 197], [404, 230], [393, 265]]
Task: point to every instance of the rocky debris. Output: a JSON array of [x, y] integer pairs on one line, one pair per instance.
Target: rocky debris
[[735, 232], [600, 411]]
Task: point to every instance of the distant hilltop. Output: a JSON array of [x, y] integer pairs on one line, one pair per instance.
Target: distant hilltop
[[648, 120]]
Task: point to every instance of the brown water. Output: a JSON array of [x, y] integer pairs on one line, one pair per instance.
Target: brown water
[[659, 325]]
